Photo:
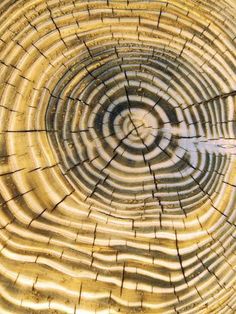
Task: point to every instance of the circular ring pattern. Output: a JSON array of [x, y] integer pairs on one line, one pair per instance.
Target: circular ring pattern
[[118, 145]]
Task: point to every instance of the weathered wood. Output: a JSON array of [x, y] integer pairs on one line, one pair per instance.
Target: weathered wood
[[117, 161]]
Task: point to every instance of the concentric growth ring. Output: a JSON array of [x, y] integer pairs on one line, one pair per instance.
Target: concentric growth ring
[[118, 147]]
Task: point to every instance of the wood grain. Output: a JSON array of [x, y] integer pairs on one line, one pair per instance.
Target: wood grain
[[117, 161]]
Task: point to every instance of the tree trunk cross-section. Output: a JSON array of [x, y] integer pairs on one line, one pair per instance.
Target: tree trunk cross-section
[[118, 156]]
